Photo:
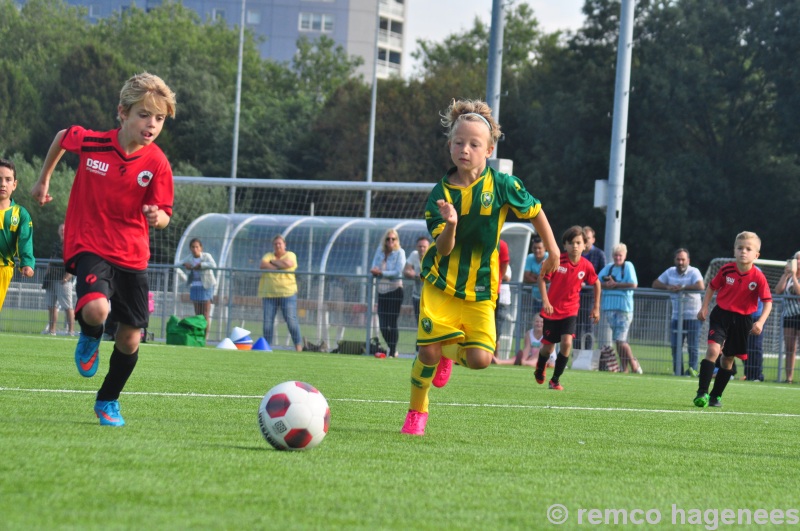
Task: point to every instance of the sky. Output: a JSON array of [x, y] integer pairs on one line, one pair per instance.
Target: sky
[[435, 19]]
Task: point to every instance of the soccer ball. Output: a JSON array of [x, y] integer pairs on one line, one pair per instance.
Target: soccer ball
[[294, 416]]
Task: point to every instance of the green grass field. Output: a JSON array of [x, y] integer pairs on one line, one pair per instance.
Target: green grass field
[[498, 453]]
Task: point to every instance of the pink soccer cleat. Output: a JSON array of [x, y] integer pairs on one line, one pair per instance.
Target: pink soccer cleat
[[415, 423], [443, 371]]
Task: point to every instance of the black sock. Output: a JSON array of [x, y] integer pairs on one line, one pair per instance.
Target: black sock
[[120, 367], [561, 364], [541, 362], [723, 377], [706, 372], [95, 331]]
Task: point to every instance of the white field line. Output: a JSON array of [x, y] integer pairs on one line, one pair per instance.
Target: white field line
[[452, 404]]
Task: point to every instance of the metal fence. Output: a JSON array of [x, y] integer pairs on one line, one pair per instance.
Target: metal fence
[[336, 307]]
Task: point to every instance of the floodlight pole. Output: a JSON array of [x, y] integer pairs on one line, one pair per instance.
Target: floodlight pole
[[495, 62], [237, 112], [373, 105], [619, 129]]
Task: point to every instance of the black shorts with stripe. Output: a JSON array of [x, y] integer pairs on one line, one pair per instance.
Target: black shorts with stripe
[[125, 288], [731, 330], [553, 329]]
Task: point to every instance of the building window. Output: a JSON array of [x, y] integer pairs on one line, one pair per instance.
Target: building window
[[316, 22], [253, 17], [217, 14]]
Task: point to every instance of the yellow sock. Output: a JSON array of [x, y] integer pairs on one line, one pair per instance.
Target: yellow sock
[[455, 352], [421, 378]]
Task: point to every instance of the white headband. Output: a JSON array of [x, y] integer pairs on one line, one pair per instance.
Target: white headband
[[484, 120]]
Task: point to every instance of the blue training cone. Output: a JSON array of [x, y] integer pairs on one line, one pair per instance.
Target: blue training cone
[[261, 344]]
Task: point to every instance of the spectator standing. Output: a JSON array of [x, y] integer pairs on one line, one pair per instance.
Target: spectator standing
[[278, 290], [597, 258], [754, 364], [16, 229], [502, 310], [677, 280], [533, 267], [59, 288], [387, 267], [412, 271], [789, 286], [618, 282], [593, 253], [201, 279]]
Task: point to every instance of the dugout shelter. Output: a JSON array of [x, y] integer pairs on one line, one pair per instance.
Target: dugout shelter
[[326, 248]]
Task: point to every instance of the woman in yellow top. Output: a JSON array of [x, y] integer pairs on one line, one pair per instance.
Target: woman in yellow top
[[279, 290]]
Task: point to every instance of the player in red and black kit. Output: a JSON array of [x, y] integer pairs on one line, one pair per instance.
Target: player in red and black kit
[[122, 187], [561, 302], [738, 285]]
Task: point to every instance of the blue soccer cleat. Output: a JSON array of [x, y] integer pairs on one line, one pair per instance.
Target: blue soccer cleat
[[87, 355], [108, 413]]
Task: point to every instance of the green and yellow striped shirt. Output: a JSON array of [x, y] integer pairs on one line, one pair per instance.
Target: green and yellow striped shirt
[[16, 236], [470, 272]]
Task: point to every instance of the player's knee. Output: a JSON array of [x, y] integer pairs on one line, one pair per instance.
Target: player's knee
[[478, 359], [127, 339], [95, 312]]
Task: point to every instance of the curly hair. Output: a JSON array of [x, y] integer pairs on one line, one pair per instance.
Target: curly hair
[[470, 111]]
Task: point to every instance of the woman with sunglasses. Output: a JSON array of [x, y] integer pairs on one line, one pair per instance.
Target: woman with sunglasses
[[387, 267]]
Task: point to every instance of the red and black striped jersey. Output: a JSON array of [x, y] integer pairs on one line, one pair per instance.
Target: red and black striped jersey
[[739, 292], [104, 214], [565, 286]]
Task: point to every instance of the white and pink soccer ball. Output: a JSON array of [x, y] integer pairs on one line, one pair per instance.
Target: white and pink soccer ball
[[294, 416]]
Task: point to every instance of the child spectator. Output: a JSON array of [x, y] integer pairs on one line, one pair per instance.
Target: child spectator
[[529, 353]]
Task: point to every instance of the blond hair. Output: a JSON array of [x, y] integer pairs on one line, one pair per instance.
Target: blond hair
[[388, 247], [746, 235], [146, 86], [470, 111]]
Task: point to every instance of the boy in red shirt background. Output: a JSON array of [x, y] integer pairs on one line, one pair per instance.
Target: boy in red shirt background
[[738, 285], [561, 302]]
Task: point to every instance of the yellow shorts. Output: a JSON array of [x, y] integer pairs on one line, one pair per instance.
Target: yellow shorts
[[6, 273], [447, 319]]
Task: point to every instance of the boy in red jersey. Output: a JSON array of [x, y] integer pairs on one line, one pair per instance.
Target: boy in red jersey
[[738, 285], [122, 187], [561, 302]]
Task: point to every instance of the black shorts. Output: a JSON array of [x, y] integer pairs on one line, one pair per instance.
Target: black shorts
[[555, 328], [731, 330], [791, 321], [126, 289]]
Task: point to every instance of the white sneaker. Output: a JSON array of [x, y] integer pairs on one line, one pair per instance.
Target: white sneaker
[[639, 370]]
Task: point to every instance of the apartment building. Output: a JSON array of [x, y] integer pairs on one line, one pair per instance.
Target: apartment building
[[350, 23]]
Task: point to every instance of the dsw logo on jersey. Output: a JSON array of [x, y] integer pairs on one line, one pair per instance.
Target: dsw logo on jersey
[[96, 166]]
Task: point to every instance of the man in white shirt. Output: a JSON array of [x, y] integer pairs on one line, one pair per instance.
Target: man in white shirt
[[680, 279]]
